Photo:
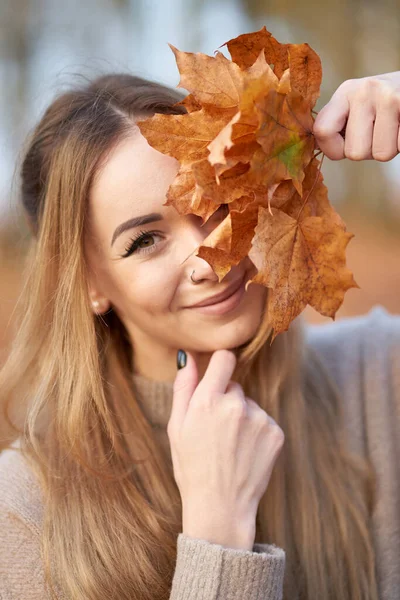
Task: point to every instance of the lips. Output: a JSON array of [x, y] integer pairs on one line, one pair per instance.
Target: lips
[[222, 295]]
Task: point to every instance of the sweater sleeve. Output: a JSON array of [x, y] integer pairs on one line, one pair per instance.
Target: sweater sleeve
[[21, 576], [204, 571], [21, 563], [363, 356], [208, 571]]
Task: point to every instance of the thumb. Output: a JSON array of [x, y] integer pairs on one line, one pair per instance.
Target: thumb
[[329, 126], [185, 383]]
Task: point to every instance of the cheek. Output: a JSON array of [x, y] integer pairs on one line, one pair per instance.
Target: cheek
[[146, 289], [255, 301]]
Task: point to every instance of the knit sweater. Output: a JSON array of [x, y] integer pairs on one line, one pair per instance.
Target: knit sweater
[[363, 355]]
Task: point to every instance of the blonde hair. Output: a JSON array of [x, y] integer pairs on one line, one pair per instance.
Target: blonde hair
[[112, 509]]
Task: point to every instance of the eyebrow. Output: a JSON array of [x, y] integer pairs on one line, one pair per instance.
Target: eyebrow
[[136, 222]]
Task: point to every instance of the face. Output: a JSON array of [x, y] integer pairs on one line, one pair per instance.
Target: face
[[147, 281]]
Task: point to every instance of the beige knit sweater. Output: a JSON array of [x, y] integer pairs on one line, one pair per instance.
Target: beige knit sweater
[[363, 354]]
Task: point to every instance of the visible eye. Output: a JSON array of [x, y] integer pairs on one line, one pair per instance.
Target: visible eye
[[135, 244]]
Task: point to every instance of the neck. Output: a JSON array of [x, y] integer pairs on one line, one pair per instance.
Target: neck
[[155, 399], [159, 364]]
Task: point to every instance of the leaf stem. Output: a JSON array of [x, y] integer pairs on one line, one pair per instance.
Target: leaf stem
[[295, 116], [191, 254], [312, 188]]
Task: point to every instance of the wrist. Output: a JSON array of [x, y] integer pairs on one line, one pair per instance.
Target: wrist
[[229, 531]]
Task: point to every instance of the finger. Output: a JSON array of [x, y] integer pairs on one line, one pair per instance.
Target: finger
[[235, 388], [386, 133], [218, 373], [329, 123], [359, 129], [256, 407], [185, 383]]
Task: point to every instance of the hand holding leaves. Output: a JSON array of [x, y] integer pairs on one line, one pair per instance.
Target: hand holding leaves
[[369, 109]]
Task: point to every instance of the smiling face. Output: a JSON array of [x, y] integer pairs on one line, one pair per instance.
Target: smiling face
[[148, 284]]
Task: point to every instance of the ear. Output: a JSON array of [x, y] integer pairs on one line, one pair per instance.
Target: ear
[[100, 304]]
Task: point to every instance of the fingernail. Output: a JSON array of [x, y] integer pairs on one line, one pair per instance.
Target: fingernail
[[181, 359]]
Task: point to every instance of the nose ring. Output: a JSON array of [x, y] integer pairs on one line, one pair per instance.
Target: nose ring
[[191, 277]]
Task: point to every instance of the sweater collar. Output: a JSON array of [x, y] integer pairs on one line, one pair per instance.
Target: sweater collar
[[155, 399]]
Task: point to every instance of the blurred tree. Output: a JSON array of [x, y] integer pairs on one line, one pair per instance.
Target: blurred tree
[[18, 29]]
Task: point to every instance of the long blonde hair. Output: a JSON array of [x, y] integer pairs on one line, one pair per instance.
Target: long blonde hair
[[112, 509]]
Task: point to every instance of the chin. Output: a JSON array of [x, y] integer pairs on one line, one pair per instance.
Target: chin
[[240, 333], [230, 335], [207, 334]]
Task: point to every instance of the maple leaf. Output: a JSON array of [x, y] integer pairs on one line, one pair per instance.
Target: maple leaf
[[285, 136], [315, 202], [190, 103], [212, 80], [303, 262], [246, 142], [304, 63], [230, 242], [182, 193], [272, 130], [236, 141], [185, 137]]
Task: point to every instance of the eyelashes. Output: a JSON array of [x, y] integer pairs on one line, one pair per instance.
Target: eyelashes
[[133, 246], [134, 243]]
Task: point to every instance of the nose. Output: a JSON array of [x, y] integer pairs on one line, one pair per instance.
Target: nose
[[193, 235]]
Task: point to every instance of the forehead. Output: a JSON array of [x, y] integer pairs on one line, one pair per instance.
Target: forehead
[[133, 179]]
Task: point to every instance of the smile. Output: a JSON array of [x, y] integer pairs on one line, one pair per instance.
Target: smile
[[224, 306]]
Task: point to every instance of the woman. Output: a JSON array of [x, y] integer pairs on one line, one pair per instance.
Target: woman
[[256, 470]]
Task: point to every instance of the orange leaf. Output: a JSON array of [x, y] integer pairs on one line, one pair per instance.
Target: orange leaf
[[243, 126], [303, 262], [315, 202], [305, 64], [245, 49], [185, 137], [182, 193], [190, 103], [285, 136], [306, 71], [212, 80], [230, 242]]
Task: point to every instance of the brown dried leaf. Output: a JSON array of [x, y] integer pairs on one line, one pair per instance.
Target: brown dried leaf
[[303, 262], [230, 242], [212, 79], [185, 137], [246, 48], [304, 62], [190, 103]]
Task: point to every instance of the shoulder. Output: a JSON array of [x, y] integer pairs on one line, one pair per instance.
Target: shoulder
[[345, 346], [20, 493], [21, 567], [362, 357], [378, 320]]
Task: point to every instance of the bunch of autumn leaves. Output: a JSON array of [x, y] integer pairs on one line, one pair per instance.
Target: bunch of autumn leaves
[[246, 141]]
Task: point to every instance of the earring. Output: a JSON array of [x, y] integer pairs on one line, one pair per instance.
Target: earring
[[95, 303]]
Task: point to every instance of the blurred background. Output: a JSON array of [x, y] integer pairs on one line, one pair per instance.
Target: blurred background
[[46, 44]]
